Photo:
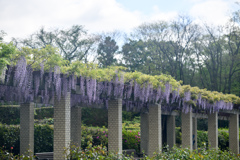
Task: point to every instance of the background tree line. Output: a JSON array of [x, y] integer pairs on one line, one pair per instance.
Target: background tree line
[[197, 54]]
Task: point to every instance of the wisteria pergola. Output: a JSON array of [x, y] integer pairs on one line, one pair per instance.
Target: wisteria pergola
[[153, 96]]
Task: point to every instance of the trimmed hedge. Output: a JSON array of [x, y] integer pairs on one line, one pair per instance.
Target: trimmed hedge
[[43, 138], [11, 115], [90, 116], [202, 138], [10, 137]]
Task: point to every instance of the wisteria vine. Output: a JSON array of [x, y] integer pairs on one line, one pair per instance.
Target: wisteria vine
[[22, 84]]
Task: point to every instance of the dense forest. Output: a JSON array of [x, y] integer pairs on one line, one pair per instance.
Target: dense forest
[[201, 55]]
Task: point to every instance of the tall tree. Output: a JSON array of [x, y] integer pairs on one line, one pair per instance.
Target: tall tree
[[169, 45], [136, 56], [2, 34], [106, 52], [73, 43]]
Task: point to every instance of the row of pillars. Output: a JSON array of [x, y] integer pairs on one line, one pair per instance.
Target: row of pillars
[[189, 131], [67, 128]]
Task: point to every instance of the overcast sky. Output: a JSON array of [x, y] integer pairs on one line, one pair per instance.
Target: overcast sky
[[20, 18]]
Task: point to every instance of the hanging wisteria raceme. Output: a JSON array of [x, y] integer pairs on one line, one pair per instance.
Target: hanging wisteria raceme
[[89, 87], [41, 71], [167, 91], [128, 90], [136, 91], [9, 72], [94, 89], [20, 72]]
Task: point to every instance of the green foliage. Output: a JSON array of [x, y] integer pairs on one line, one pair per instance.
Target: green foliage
[[223, 139], [44, 112], [99, 136], [202, 139], [93, 152], [9, 115], [95, 136], [131, 140], [106, 51], [211, 97], [73, 43], [180, 153], [178, 135], [43, 138], [100, 152], [6, 155], [10, 138], [6, 52], [48, 56], [94, 117]]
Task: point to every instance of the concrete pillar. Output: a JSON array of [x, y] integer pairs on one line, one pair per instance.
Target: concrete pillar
[[155, 130], [115, 126], [76, 122], [171, 136], [194, 133], [144, 132], [61, 126], [234, 133], [187, 130], [26, 127], [213, 130]]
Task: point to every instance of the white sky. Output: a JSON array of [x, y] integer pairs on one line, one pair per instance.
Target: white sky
[[20, 18]]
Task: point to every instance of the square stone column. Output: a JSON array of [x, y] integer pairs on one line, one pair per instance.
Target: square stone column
[[171, 135], [115, 126], [194, 133], [26, 127], [213, 130], [234, 133], [155, 129], [76, 123], [144, 133], [187, 130], [61, 126]]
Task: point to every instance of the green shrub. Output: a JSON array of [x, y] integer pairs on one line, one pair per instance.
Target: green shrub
[[178, 135], [223, 139], [44, 112], [131, 140], [100, 152], [93, 152], [6, 155], [9, 115], [10, 138], [43, 138], [202, 139], [99, 136]]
